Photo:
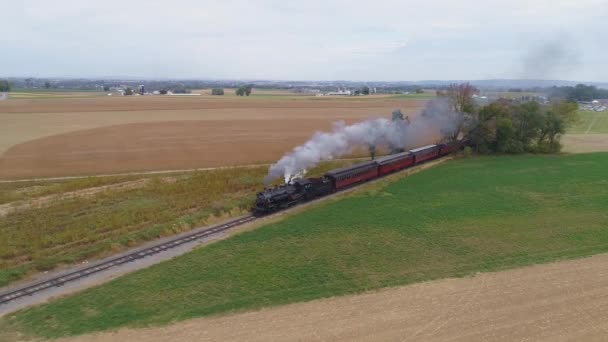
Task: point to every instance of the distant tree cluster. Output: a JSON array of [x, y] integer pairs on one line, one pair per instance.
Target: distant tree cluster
[[507, 126], [244, 90], [181, 90], [217, 91], [128, 91], [5, 86], [510, 127], [580, 92]]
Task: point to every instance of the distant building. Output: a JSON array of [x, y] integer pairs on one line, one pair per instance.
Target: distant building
[[142, 90], [593, 106], [340, 93]]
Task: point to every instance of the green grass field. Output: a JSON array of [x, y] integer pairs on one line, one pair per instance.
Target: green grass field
[[590, 123], [456, 219]]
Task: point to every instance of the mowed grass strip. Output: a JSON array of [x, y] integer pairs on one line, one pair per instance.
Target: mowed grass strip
[[462, 217], [590, 122]]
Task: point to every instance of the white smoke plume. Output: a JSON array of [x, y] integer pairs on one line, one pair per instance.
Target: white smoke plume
[[343, 139]]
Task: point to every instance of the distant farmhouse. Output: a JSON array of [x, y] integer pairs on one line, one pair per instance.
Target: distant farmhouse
[[595, 105]]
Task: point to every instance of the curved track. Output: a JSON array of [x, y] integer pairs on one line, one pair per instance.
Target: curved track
[[85, 272], [101, 266]]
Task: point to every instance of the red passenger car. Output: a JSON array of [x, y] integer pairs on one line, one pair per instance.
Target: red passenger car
[[353, 174], [445, 149], [395, 162], [425, 153]]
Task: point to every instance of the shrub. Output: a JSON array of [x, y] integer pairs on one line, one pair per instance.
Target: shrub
[[468, 151]]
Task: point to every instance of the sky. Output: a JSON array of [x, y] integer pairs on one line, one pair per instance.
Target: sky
[[380, 40]]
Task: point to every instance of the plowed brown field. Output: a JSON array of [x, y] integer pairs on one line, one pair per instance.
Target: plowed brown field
[[62, 137], [555, 302]]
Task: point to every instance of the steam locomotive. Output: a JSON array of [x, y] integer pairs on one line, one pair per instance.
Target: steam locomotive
[[305, 189]]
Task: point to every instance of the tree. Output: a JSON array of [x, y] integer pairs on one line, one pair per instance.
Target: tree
[[181, 90], [580, 92], [106, 88], [567, 110], [461, 107], [29, 82], [461, 97], [163, 91], [399, 120], [365, 90], [484, 126], [217, 91], [372, 151], [5, 86], [244, 90], [507, 126], [553, 127], [527, 121], [128, 91], [505, 136], [47, 84], [419, 91]]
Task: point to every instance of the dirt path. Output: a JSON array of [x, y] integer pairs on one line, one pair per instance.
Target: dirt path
[[552, 302], [593, 122], [585, 143]]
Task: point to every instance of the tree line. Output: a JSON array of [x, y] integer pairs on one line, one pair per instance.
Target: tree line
[[580, 92], [5, 86], [508, 126], [244, 90]]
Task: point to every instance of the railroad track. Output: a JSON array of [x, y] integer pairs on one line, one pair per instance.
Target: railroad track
[[87, 271], [104, 265]]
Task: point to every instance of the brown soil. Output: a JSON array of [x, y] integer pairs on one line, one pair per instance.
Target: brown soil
[[240, 132], [147, 140], [157, 146], [583, 143], [139, 103], [553, 302]]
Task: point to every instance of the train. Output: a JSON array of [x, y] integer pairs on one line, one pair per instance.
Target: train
[[305, 189]]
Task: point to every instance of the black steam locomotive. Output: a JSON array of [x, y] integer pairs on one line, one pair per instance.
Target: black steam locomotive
[[285, 196], [305, 189]]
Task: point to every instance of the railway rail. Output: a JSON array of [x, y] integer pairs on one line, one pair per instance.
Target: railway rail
[[87, 271], [104, 265]]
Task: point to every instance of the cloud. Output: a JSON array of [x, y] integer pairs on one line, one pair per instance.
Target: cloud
[[386, 40]]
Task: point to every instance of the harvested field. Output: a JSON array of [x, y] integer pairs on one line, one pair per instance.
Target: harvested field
[[585, 143], [554, 302], [62, 137], [139, 103], [164, 145]]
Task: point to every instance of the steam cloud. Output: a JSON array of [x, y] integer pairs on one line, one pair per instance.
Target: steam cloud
[[343, 139], [550, 59]]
